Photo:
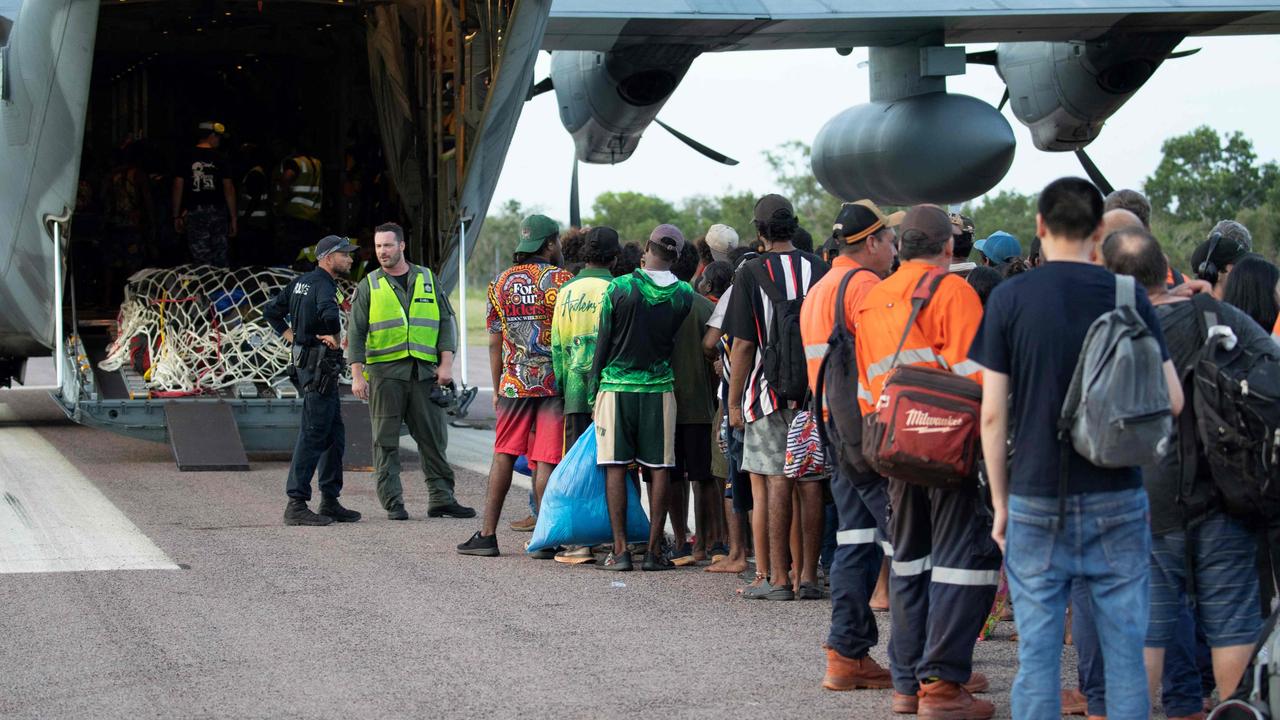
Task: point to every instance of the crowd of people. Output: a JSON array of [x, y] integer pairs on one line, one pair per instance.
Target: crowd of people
[[696, 365], [881, 421]]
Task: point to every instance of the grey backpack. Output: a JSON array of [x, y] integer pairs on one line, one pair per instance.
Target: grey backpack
[[1117, 413]]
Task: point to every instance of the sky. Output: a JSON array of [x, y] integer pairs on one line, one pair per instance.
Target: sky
[[1232, 84]]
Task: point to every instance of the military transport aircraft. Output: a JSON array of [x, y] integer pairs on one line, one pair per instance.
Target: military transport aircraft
[[442, 84]]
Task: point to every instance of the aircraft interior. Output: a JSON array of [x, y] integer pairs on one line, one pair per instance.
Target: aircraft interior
[[283, 78]]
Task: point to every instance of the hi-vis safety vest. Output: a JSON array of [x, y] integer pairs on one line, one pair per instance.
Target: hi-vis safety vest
[[304, 195], [254, 207], [392, 335]]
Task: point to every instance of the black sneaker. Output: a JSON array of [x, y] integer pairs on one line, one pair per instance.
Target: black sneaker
[[616, 563], [453, 510], [397, 512], [482, 545], [297, 513], [330, 507], [654, 562]]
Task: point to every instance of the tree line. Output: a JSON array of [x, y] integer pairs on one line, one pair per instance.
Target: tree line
[[1203, 177]]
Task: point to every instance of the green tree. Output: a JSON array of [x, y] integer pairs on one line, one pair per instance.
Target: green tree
[[697, 213], [632, 214], [815, 207], [1006, 210], [1203, 178]]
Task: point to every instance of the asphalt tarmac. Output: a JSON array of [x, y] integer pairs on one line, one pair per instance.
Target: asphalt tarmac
[[380, 618]]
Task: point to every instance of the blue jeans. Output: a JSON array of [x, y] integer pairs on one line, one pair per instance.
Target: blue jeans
[[1188, 668], [1104, 540], [1089, 666]]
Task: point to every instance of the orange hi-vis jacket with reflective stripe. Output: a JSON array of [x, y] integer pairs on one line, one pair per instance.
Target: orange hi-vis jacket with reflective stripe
[[940, 337]]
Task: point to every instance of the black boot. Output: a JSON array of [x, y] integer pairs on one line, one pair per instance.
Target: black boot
[[330, 507], [297, 513]]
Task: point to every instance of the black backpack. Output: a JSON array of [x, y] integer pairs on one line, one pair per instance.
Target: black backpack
[[1237, 409], [785, 368], [838, 390]]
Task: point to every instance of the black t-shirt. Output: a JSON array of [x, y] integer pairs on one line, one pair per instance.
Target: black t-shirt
[[202, 171], [750, 315], [1033, 330]]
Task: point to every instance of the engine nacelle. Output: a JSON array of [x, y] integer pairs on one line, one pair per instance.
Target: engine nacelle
[[1064, 92], [608, 99], [934, 148]]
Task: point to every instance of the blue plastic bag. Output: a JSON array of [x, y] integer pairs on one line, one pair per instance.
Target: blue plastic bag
[[523, 466], [574, 510]]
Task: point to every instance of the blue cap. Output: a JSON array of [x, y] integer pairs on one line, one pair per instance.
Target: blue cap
[[999, 247]]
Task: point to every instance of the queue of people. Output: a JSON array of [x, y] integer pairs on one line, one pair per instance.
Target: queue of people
[[959, 443]]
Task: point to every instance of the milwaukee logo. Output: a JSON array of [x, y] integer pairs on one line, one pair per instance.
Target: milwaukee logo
[[920, 421]]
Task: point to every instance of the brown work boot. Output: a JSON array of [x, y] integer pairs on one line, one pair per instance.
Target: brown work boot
[[943, 700], [1074, 702], [845, 673], [978, 683], [904, 704], [525, 525]]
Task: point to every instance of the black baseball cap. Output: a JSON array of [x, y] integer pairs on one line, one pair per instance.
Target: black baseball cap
[[330, 244], [774, 207], [602, 240], [859, 220], [1227, 251]]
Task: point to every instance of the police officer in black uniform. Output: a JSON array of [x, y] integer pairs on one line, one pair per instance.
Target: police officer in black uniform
[[310, 303]]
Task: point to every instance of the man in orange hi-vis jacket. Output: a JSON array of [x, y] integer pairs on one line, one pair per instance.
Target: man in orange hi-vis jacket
[[945, 567]]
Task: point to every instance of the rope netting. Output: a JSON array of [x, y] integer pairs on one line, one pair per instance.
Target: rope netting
[[198, 329]]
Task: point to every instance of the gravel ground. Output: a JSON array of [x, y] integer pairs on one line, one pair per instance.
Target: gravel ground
[[384, 619]]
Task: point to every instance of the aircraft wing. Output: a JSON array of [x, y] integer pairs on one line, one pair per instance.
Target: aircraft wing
[[720, 25]]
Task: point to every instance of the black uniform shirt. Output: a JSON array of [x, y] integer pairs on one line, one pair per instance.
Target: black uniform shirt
[[310, 303]]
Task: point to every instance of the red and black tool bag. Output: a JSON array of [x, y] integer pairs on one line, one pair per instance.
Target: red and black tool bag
[[926, 429]]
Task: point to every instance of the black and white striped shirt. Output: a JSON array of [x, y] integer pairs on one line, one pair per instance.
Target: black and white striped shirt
[[750, 315]]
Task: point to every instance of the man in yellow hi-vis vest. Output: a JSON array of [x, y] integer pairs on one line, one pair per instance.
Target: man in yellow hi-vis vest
[[401, 335], [299, 197]]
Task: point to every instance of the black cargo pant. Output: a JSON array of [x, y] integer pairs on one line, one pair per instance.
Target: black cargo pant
[[862, 506], [942, 581], [322, 438]]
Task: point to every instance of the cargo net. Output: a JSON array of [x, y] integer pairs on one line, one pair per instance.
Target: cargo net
[[197, 329]]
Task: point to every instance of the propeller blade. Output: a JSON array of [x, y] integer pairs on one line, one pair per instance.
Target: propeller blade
[[1004, 100], [1094, 173], [708, 152], [575, 213], [1182, 53], [540, 87]]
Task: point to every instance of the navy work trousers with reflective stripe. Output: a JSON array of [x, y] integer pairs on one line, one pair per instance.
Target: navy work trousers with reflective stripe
[[322, 438], [942, 581], [862, 505]]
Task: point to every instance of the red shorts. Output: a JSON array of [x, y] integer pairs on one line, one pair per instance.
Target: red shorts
[[533, 427]]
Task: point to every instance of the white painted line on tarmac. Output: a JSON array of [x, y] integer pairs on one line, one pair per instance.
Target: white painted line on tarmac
[[53, 519]]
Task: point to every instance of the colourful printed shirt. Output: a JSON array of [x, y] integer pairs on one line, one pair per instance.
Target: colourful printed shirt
[[573, 336], [521, 300]]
